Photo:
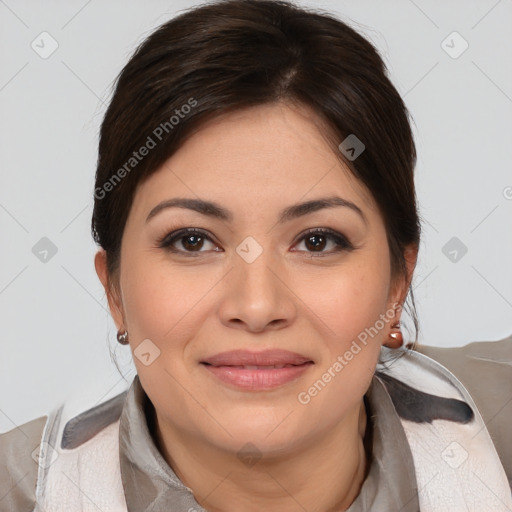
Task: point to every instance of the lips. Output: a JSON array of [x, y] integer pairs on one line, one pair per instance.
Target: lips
[[257, 371], [252, 360]]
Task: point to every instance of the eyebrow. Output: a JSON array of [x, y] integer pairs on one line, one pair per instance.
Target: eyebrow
[[214, 210]]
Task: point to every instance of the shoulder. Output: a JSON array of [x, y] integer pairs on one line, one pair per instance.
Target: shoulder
[[494, 352], [19, 447], [18, 465], [482, 366], [485, 370]]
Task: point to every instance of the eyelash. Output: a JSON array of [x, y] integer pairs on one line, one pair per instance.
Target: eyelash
[[168, 239]]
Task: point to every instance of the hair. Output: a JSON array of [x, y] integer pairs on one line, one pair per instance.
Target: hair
[[233, 54]]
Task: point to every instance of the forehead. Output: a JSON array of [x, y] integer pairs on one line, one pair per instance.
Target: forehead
[[261, 156]]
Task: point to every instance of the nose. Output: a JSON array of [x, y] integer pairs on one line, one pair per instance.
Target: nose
[[257, 297]]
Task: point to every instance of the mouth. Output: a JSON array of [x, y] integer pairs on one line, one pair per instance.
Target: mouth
[[256, 371]]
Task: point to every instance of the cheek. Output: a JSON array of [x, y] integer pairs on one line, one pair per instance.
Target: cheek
[[163, 301], [154, 297], [349, 306], [351, 301]]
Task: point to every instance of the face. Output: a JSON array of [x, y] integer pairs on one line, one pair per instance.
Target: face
[[264, 276]]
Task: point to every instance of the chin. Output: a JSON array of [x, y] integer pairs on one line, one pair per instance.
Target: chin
[[267, 434]]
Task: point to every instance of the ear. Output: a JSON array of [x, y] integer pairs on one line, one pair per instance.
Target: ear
[[114, 301], [399, 291]]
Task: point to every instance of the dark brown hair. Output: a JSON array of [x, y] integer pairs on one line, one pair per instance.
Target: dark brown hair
[[233, 54]]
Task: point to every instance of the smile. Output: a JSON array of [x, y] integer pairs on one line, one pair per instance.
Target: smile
[[257, 371]]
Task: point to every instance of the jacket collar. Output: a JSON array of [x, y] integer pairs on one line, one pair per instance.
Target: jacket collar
[[151, 485]]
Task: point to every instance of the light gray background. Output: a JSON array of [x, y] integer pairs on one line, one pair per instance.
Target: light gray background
[[55, 327]]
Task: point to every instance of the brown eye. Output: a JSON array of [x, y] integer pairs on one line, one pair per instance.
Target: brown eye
[[188, 240], [192, 242], [316, 240]]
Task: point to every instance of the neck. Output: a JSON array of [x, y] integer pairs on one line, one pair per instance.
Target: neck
[[325, 475]]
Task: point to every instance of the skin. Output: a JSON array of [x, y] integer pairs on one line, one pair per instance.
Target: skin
[[293, 296]]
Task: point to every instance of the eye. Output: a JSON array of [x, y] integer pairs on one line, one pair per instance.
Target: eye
[[192, 240], [316, 240]]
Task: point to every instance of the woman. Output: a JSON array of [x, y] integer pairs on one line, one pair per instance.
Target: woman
[[256, 212]]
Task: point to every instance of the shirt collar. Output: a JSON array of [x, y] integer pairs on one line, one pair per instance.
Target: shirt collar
[[151, 485]]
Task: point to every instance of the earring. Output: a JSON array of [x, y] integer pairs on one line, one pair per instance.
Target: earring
[[396, 338], [122, 337]]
